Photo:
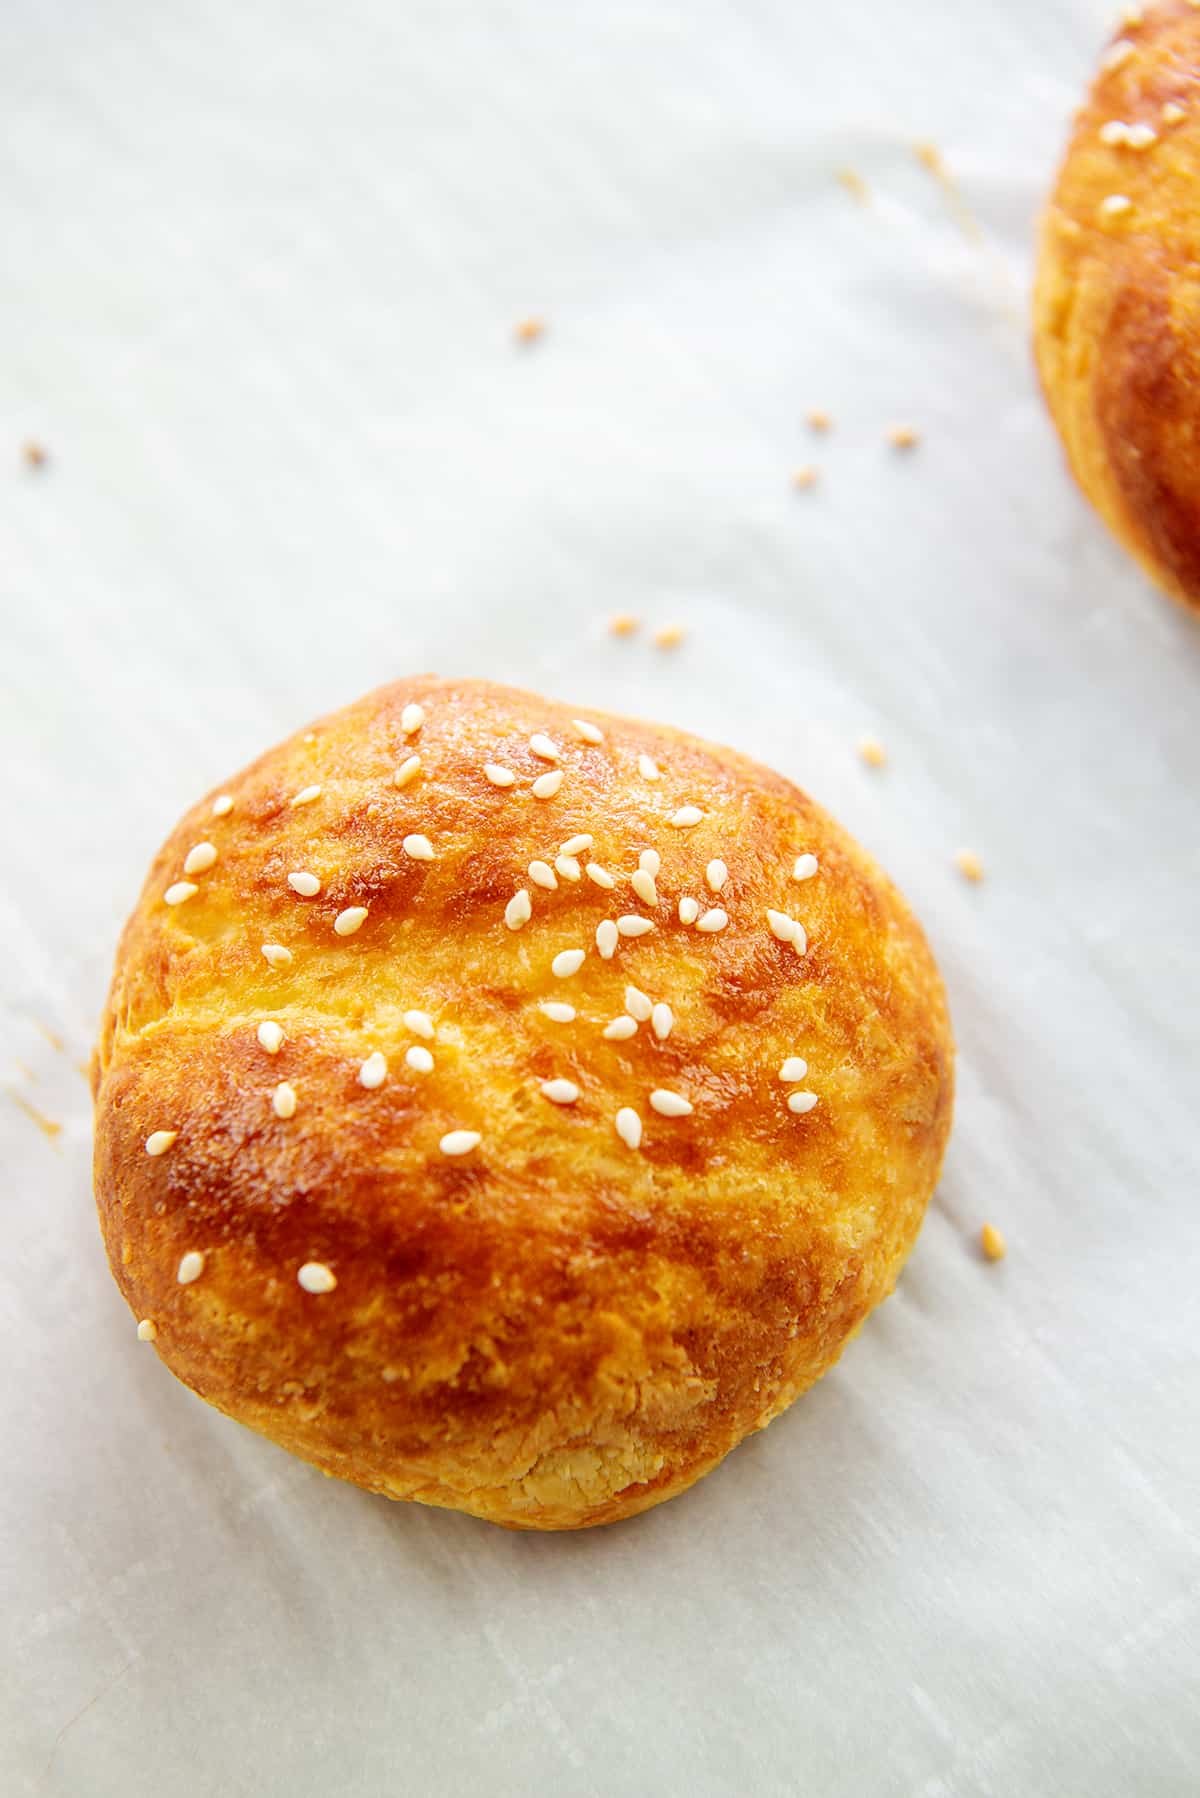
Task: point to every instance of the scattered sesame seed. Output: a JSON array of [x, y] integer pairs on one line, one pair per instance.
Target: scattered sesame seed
[[420, 1023], [459, 1142], [407, 772], [159, 1141], [277, 955], [200, 859], [418, 1059], [716, 874], [1115, 206], [568, 867], [623, 624], [969, 864], [793, 1069], [712, 921], [373, 1071], [872, 752], [689, 909], [147, 1330], [638, 1005], [547, 785], [588, 732], [576, 845], [648, 768], [560, 1092], [567, 962], [670, 1105], [806, 866], [669, 636], [650, 862], [802, 1101], [557, 1011], [902, 437], [529, 330], [418, 848], [819, 421], [412, 718], [1172, 113], [643, 885], [629, 1127], [631, 925], [519, 909], [544, 746], [804, 477], [306, 795], [283, 1100], [601, 876], [191, 1266], [499, 777], [350, 920], [992, 1243], [662, 1019], [270, 1036], [314, 1276], [1113, 131], [222, 805], [607, 937], [182, 889], [307, 885], [1117, 54], [620, 1030], [543, 875], [782, 926], [685, 817]]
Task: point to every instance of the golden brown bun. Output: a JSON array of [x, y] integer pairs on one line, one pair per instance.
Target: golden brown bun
[[1117, 300], [554, 1329]]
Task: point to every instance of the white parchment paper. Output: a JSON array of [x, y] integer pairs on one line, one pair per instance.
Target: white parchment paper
[[261, 268]]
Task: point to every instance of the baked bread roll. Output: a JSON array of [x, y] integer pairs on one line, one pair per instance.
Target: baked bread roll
[[509, 1107], [1117, 298]]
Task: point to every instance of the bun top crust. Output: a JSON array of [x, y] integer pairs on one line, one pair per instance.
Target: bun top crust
[[450, 1254], [1117, 300]]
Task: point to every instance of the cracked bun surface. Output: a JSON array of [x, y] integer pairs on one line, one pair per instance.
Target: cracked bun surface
[[508, 1106]]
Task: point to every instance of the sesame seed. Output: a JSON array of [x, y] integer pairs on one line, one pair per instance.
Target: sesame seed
[[650, 862], [182, 889], [781, 925], [412, 718], [222, 805], [499, 777], [607, 937], [407, 771], [314, 1276], [623, 624], [716, 874], [804, 477], [547, 785], [872, 752], [576, 845], [519, 909], [689, 910], [310, 736], [587, 731], [200, 859], [567, 962], [159, 1141], [669, 1105], [543, 875], [568, 867], [418, 848], [638, 1005], [805, 867], [662, 1018], [713, 921], [802, 1101], [270, 1036], [643, 885], [544, 746], [306, 795], [459, 1142], [685, 817], [418, 1059], [420, 1023], [557, 1012], [1114, 131], [373, 1071], [793, 1069], [1116, 55], [620, 1030], [350, 920], [147, 1330], [1115, 206], [601, 876], [648, 768], [992, 1243], [669, 636], [902, 437], [560, 1092], [819, 421], [277, 955], [1133, 15], [969, 864], [191, 1266], [307, 885], [629, 1127], [631, 925], [1172, 112], [283, 1100]]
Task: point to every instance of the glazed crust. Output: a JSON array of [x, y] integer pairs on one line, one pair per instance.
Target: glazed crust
[[1117, 299], [553, 1330]]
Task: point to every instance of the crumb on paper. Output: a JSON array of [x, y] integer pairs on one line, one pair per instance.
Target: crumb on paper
[[902, 437], [34, 454], [804, 477], [992, 1243], [623, 624], [969, 865], [819, 420], [529, 330], [49, 1129], [930, 157], [52, 1037], [854, 185], [872, 752], [669, 636]]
